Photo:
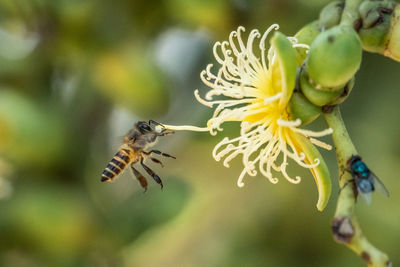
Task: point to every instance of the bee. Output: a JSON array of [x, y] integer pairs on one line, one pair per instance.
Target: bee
[[365, 180], [139, 139]]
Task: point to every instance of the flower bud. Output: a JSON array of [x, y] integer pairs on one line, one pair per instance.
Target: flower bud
[[331, 14], [316, 96], [301, 108], [345, 93], [371, 12], [376, 18], [334, 58]]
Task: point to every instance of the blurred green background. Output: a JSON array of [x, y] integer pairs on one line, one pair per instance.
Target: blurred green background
[[74, 77]]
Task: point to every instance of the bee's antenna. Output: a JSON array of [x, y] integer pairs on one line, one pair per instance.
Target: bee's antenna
[[156, 123]]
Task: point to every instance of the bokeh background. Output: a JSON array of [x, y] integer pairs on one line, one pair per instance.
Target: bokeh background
[[74, 77]]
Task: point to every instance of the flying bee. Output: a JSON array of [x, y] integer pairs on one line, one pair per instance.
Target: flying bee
[[365, 180], [140, 138]]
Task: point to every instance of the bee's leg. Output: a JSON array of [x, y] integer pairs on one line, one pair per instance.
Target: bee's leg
[[151, 173], [153, 159], [157, 161], [166, 132], [142, 180], [161, 153]]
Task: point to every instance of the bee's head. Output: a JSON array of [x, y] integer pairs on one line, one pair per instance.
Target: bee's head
[[140, 128], [153, 127], [145, 134]]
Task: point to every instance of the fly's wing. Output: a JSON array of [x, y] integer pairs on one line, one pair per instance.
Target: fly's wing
[[367, 197], [379, 185]]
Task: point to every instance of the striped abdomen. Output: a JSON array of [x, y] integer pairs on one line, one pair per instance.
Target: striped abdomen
[[118, 163]]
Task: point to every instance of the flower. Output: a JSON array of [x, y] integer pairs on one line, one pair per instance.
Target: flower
[[257, 85]]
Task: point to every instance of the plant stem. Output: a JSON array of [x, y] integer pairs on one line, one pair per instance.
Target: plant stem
[[345, 227], [350, 12]]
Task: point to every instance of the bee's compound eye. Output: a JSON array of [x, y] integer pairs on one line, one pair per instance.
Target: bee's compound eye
[[145, 127]]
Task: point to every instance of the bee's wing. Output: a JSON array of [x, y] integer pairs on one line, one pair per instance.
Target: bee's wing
[[367, 197], [379, 185]]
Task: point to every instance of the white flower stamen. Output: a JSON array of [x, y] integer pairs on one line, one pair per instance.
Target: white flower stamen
[[252, 87], [261, 140], [271, 99]]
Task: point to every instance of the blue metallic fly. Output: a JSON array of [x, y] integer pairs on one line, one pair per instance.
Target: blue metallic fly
[[365, 180]]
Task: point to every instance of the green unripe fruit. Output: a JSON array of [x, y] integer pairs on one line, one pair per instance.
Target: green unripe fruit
[[334, 58], [301, 108], [331, 14], [317, 97]]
